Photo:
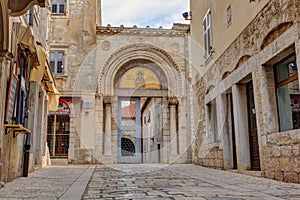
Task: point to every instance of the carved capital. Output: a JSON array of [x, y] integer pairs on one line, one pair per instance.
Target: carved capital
[[173, 101], [97, 96], [107, 100], [5, 54]]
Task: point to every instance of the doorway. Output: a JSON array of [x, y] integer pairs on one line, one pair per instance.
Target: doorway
[[232, 131], [253, 137], [129, 130], [58, 135]]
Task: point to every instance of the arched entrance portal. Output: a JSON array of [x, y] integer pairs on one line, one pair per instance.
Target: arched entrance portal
[[137, 85], [144, 101]]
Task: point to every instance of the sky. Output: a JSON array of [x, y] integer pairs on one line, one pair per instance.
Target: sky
[[153, 13]]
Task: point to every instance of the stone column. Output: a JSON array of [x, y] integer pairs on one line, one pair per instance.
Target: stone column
[[99, 128], [32, 121], [165, 143], [241, 126], [5, 58], [224, 123], [73, 136], [184, 139], [107, 145], [173, 101]]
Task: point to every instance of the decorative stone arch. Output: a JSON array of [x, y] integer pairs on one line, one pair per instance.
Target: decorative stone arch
[[275, 33], [225, 75], [210, 88], [242, 60], [171, 90], [140, 52]]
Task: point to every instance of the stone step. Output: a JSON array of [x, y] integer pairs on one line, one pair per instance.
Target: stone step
[[250, 173], [59, 161]]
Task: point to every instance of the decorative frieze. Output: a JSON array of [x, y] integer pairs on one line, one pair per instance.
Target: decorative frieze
[[138, 31]]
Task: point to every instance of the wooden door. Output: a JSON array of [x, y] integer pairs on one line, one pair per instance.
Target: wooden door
[[253, 138]]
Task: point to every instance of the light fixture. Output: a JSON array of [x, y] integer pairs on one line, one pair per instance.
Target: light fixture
[[187, 15]]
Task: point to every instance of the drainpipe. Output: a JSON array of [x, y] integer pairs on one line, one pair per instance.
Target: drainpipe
[[27, 137], [26, 155]]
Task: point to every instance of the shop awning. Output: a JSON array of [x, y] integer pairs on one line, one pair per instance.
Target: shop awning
[[49, 85], [37, 72], [40, 72], [25, 36]]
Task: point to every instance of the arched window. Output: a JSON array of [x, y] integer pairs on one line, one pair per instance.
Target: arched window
[[128, 147]]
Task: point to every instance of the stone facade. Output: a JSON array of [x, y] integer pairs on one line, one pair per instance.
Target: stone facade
[[271, 36], [96, 58], [23, 26]]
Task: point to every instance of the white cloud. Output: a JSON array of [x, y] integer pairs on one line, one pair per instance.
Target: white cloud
[[153, 13]]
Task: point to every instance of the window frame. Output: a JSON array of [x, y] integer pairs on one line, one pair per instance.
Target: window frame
[[212, 121], [279, 84], [56, 60], [207, 34], [58, 6]]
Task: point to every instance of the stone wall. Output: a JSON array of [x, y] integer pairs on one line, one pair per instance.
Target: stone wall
[[271, 36], [282, 156]]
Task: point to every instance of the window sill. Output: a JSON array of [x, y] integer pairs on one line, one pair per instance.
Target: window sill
[[208, 58], [62, 76], [59, 16]]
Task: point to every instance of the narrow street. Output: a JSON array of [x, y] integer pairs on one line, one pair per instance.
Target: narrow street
[[144, 182]]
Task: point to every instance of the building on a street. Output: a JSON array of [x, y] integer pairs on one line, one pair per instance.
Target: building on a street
[[152, 130], [26, 86], [99, 70], [247, 56]]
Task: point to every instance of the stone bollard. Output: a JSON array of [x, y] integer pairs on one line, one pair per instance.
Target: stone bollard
[[88, 157]]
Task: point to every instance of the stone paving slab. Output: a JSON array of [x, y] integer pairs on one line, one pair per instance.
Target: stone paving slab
[[182, 182], [186, 182], [44, 184]]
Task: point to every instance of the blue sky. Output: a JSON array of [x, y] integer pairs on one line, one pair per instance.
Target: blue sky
[[153, 13]]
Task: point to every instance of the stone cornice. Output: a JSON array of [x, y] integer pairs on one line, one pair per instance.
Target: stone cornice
[[139, 31], [20, 7]]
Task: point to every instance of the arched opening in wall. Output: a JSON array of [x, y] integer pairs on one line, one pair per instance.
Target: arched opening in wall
[[140, 86], [275, 33], [241, 61], [208, 89], [127, 147], [225, 75], [58, 131]]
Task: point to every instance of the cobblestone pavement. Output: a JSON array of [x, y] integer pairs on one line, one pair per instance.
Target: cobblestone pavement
[[144, 182], [182, 182]]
